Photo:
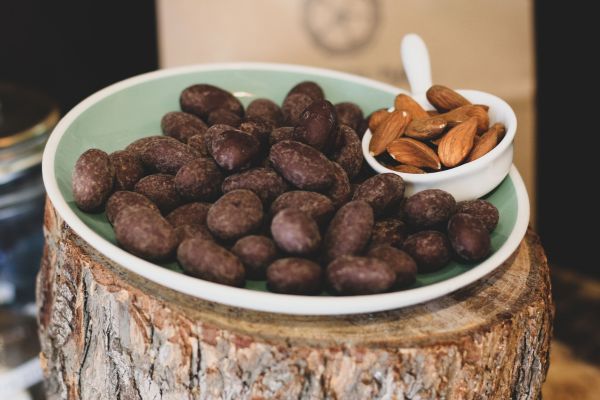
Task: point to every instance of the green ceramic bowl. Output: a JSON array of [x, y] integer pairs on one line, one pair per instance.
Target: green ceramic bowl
[[131, 109]]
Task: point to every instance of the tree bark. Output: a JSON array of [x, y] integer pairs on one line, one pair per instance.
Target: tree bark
[[107, 333]]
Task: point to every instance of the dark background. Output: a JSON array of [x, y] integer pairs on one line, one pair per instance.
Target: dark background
[[70, 49], [567, 164]]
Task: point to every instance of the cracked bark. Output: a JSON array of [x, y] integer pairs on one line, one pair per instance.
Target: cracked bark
[[108, 334]]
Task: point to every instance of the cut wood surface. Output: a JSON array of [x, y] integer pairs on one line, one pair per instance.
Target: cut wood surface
[[107, 333]]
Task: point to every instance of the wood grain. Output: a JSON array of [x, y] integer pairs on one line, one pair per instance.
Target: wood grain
[[107, 333]]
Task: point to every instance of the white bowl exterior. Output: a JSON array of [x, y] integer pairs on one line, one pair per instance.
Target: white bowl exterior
[[255, 300], [471, 180], [471, 184]]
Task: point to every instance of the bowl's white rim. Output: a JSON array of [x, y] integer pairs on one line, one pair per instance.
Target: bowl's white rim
[[250, 299], [467, 168]]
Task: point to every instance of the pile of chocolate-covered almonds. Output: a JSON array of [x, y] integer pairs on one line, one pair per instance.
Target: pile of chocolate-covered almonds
[[278, 193]]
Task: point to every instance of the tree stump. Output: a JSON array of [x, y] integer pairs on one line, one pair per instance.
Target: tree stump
[[109, 334]]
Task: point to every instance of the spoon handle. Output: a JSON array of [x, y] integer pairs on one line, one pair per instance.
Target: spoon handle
[[415, 59]]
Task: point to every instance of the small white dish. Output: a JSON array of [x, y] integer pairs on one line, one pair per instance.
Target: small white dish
[[468, 181], [471, 180]]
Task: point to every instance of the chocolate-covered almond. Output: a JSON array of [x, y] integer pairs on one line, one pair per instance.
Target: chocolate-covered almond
[[236, 214], [191, 213], [389, 231], [202, 99], [429, 208], [122, 199], [351, 275], [293, 106], [302, 165], [469, 237], [234, 150], [167, 156], [182, 125], [483, 210], [138, 146], [280, 134], [265, 109], [265, 182], [399, 261], [339, 192], [317, 206], [199, 180], [349, 153], [213, 132], [128, 169], [295, 232], [382, 192], [349, 230], [256, 253], [92, 180], [188, 231], [145, 233], [430, 249], [317, 125], [198, 143], [223, 117], [349, 114], [160, 189], [309, 88], [258, 128], [294, 276], [207, 260]]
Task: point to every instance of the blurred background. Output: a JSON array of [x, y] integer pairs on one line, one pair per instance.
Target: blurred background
[[54, 54]]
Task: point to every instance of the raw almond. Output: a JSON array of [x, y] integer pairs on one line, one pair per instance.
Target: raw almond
[[377, 117], [408, 169], [445, 99], [426, 129], [487, 141], [412, 152], [461, 114], [457, 143], [391, 128], [436, 142], [406, 103]]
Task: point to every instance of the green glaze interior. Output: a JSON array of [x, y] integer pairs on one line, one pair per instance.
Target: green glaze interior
[[135, 112]]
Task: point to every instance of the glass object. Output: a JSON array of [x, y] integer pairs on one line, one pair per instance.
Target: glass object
[[26, 119]]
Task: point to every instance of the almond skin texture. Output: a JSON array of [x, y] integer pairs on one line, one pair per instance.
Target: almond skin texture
[[392, 128], [426, 129], [445, 99], [403, 102], [457, 143], [412, 152], [377, 117], [461, 114], [488, 141]]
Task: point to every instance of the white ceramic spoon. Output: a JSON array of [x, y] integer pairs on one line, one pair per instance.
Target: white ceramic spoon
[[415, 59]]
